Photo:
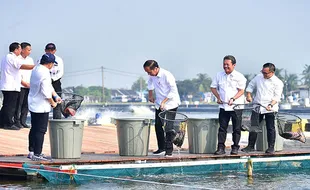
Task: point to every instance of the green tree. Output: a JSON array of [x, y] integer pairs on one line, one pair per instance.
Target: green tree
[[279, 74], [186, 87], [248, 77], [95, 91], [203, 80], [291, 82], [81, 90], [136, 85], [306, 74]]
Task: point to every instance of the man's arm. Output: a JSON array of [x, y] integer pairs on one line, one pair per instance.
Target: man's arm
[[249, 97], [151, 97], [26, 67], [25, 84], [216, 94]]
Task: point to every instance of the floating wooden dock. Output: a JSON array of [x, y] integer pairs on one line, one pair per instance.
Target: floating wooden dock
[[100, 147]]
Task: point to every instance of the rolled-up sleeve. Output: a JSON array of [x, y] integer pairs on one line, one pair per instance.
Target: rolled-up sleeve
[[241, 84], [214, 83], [150, 85], [251, 85], [278, 91], [173, 86]]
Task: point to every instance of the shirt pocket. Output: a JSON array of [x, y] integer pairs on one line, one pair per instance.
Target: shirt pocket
[[222, 85], [233, 84]]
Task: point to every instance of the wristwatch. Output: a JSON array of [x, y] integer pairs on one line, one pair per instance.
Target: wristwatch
[[270, 105], [233, 99]]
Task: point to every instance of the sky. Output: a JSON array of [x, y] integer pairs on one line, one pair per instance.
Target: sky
[[184, 37]]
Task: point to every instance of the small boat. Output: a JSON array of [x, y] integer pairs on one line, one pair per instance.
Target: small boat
[[66, 174]]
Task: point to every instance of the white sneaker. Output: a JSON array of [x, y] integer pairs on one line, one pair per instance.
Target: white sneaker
[[40, 157], [30, 155], [159, 152]]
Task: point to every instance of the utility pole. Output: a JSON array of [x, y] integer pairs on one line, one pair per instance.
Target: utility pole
[[102, 74]]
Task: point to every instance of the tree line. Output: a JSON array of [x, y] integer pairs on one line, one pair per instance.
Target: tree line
[[200, 84]]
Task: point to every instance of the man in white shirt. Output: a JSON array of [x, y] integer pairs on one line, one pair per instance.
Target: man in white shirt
[[167, 98], [268, 93], [22, 101], [228, 87], [10, 85], [57, 72], [42, 97]]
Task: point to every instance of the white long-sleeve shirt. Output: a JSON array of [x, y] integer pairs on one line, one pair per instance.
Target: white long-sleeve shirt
[[25, 74], [10, 76], [227, 87], [40, 90], [165, 87], [266, 91]]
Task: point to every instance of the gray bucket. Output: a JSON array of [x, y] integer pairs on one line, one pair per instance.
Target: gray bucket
[[133, 136], [66, 136], [202, 135]]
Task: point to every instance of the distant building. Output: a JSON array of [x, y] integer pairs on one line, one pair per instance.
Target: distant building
[[123, 95]]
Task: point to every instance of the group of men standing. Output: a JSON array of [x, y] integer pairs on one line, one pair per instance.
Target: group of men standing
[[228, 87], [16, 68], [28, 85]]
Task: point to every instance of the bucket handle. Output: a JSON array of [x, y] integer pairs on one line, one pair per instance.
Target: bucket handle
[[77, 122], [147, 122]]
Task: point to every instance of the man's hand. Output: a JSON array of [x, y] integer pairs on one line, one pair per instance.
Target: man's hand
[[54, 104], [269, 107], [231, 101], [219, 101], [249, 99], [151, 99], [27, 85], [162, 106]]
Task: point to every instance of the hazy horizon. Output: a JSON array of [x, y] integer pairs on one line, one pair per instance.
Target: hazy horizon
[[185, 37]]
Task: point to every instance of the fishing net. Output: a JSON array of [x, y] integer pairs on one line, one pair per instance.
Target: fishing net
[[175, 123], [249, 114], [70, 103], [290, 127]]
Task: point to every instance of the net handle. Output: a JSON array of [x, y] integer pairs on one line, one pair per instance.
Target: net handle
[[249, 105], [180, 120], [278, 116]]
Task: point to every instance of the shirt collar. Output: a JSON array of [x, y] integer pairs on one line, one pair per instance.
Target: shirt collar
[[160, 73], [13, 54], [231, 74]]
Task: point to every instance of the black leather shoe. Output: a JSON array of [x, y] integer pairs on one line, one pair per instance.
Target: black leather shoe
[[159, 152], [25, 125], [234, 151], [17, 124], [270, 150], [248, 149], [13, 127], [220, 151]]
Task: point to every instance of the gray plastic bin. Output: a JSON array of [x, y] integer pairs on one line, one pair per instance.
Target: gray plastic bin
[[133, 136], [262, 143], [66, 137], [202, 135]]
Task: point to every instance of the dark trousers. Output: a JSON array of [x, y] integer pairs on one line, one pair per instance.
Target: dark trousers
[[57, 110], [22, 106], [160, 133], [271, 131], [224, 117], [8, 108], [39, 122]]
